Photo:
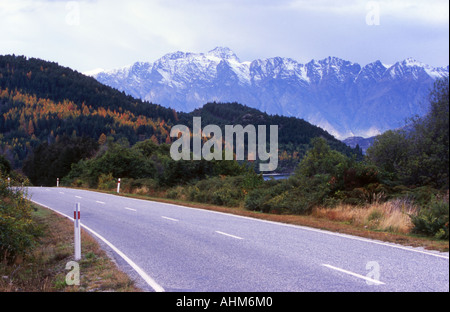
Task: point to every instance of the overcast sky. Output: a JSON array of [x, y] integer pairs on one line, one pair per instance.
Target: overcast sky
[[89, 34]]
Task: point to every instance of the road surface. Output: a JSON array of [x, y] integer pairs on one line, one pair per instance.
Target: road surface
[[172, 248]]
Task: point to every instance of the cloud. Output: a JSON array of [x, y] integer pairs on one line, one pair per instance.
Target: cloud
[[87, 34], [433, 11]]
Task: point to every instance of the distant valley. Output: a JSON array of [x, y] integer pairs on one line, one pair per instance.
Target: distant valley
[[363, 143]]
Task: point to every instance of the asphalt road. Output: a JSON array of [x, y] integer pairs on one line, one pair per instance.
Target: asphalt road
[[174, 248]]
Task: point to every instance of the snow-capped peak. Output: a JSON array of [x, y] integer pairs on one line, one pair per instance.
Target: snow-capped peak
[[93, 72], [411, 62], [414, 67], [223, 53]]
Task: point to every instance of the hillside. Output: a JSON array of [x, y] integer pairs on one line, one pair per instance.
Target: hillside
[[294, 135], [43, 102], [291, 130]]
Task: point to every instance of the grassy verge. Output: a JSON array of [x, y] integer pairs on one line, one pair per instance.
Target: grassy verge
[[43, 269]]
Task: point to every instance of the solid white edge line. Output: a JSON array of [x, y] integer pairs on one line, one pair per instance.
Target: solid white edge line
[[226, 234], [296, 226], [354, 274], [151, 282], [171, 219]]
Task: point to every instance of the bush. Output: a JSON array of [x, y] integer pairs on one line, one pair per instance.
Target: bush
[[310, 192], [300, 194], [420, 155], [106, 182], [433, 220], [17, 232], [145, 186], [257, 200], [177, 192], [77, 183], [222, 190], [5, 166], [422, 195]]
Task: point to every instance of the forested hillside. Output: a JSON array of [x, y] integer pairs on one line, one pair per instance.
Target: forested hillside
[[294, 135], [41, 102]]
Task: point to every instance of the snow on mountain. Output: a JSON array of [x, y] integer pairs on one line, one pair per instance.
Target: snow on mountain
[[94, 72], [340, 96]]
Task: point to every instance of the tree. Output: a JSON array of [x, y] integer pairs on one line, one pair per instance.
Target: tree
[[30, 128], [49, 162], [429, 163], [419, 155], [5, 166], [389, 152], [102, 139], [321, 159]]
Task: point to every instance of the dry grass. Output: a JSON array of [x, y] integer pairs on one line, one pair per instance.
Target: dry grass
[[143, 190], [392, 216], [44, 268]]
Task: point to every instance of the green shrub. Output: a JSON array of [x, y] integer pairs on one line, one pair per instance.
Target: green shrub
[[222, 190], [5, 166], [433, 219], [177, 192], [225, 197], [17, 231], [143, 186], [77, 183], [311, 192], [297, 195], [257, 200], [422, 195], [106, 181]]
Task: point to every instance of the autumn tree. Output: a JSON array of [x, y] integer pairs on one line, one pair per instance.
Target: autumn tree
[[102, 139]]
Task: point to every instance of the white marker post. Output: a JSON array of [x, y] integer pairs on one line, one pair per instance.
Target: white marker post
[[77, 231], [118, 185], [57, 182]]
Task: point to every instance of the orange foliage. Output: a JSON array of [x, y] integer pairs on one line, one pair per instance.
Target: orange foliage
[[44, 108]]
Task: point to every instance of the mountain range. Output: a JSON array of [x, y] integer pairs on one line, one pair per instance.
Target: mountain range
[[340, 96], [43, 103]]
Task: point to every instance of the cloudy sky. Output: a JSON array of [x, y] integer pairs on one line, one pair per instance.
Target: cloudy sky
[[89, 34]]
